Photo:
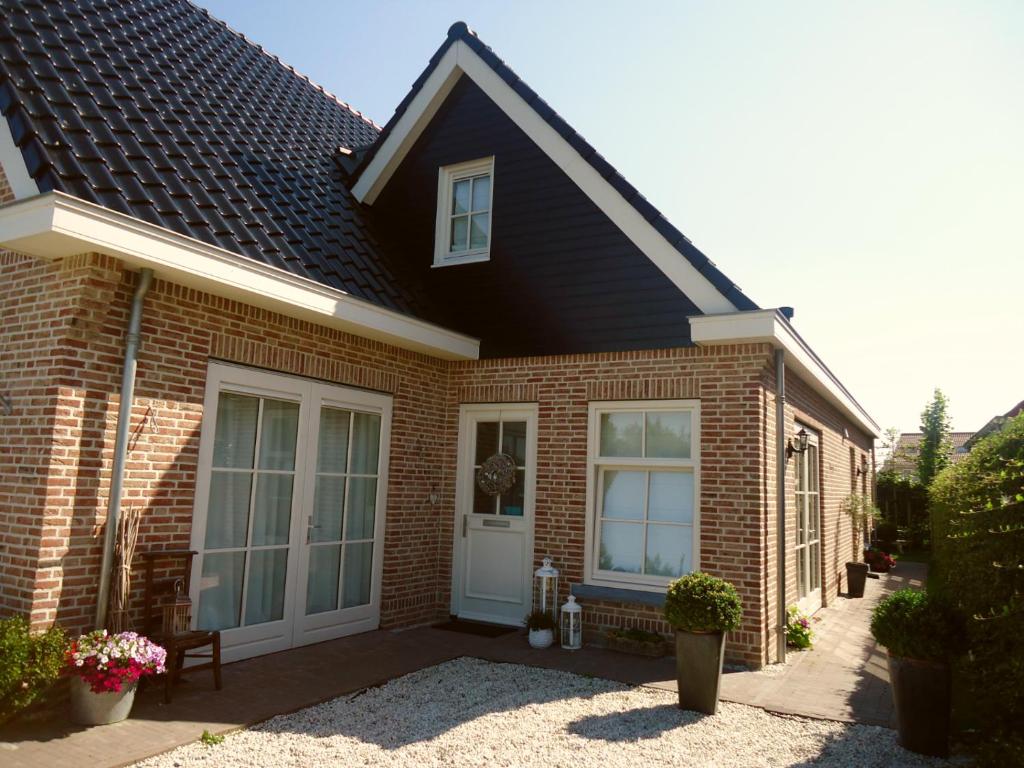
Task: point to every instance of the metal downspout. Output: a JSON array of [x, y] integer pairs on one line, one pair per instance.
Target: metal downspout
[[780, 498], [124, 418]]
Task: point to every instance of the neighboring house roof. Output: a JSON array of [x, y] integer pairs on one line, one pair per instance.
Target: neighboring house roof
[[995, 424], [155, 109], [903, 460]]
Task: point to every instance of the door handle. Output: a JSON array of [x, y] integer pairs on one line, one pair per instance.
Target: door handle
[[309, 529]]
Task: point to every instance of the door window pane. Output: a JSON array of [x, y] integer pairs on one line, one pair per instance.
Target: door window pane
[[671, 497], [513, 441], [328, 508], [669, 549], [356, 581], [512, 500], [486, 441], [220, 590], [264, 599], [234, 438], [621, 434], [272, 516], [668, 435], [801, 572], [277, 434], [322, 584], [362, 502], [227, 515], [621, 547], [365, 443], [623, 495], [332, 443], [483, 503]]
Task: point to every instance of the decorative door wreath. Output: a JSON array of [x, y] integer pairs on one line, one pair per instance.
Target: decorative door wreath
[[497, 474]]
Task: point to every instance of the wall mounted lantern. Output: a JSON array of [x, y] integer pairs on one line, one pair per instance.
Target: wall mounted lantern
[[801, 443]]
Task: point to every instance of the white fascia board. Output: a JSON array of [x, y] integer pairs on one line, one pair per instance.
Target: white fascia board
[[13, 164], [772, 327], [55, 225], [460, 59]]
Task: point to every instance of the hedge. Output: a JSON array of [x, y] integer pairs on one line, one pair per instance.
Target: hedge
[[977, 517], [29, 664]]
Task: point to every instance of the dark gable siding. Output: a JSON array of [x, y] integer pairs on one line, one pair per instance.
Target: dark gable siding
[[561, 278]]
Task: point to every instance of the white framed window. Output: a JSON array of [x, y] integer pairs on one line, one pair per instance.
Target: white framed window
[[464, 217], [643, 492]]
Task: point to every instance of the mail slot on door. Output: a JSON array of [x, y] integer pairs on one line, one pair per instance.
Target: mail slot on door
[[496, 523]]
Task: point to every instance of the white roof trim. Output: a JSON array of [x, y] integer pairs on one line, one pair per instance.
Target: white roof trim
[[13, 164], [460, 59], [771, 326], [55, 225]]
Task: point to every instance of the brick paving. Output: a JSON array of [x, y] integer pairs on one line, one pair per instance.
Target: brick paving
[[843, 678]]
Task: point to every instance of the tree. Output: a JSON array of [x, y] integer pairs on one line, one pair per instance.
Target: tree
[[936, 445]]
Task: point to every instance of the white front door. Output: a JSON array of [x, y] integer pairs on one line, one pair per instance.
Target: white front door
[[492, 577], [808, 528], [289, 510]]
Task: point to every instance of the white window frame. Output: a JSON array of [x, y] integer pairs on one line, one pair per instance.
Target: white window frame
[[595, 463], [446, 178]]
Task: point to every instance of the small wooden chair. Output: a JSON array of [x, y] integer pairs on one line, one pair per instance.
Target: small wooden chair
[[177, 638]]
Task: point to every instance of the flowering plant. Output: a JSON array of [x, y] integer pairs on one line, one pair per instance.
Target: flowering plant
[[798, 629], [879, 560], [109, 662]]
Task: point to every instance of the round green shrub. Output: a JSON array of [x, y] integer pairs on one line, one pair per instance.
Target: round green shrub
[[540, 620], [29, 664], [699, 602], [916, 625]]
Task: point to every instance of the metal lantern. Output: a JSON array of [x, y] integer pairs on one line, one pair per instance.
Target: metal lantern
[[546, 589], [572, 625], [177, 619]]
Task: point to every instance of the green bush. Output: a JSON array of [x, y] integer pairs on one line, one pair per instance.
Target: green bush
[[917, 625], [539, 620], [699, 602], [977, 516], [887, 533], [29, 664]]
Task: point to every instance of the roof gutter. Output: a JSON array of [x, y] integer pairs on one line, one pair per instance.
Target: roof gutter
[[55, 225]]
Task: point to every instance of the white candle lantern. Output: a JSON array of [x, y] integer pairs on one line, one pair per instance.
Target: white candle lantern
[[572, 625], [546, 592]]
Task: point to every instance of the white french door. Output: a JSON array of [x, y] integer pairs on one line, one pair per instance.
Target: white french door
[[492, 575], [808, 528], [289, 510]]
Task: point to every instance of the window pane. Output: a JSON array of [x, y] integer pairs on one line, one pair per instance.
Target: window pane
[[486, 441], [812, 517], [801, 572], [670, 497], [480, 229], [668, 435], [234, 439], [328, 508], [362, 501], [483, 504], [621, 547], [621, 434], [273, 512], [322, 584], [264, 599], [669, 550], [220, 591], [227, 515], [511, 502], [513, 441], [482, 193], [815, 560], [812, 467], [460, 234], [365, 443], [623, 494], [332, 450], [277, 434], [356, 581], [460, 196]]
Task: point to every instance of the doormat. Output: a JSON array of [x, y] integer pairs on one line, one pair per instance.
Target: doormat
[[475, 628]]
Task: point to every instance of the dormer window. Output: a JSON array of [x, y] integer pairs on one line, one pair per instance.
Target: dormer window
[[464, 194]]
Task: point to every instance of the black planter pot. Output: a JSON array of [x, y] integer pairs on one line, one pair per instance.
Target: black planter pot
[[699, 657], [856, 575], [921, 693]]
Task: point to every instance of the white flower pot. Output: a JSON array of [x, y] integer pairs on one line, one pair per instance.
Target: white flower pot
[[541, 638], [88, 708]]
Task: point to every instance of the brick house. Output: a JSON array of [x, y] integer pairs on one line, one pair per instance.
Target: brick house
[[340, 324]]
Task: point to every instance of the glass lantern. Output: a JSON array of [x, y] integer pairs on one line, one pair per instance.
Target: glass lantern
[[572, 625], [546, 589]]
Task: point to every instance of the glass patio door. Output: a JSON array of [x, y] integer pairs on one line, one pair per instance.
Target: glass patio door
[[808, 528]]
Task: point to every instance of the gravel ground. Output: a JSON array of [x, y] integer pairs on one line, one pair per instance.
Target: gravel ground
[[469, 712]]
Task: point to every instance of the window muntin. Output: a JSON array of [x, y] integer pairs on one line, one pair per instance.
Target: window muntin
[[643, 526], [464, 200]]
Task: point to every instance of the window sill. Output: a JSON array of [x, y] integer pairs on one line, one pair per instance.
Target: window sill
[[617, 594], [453, 261]]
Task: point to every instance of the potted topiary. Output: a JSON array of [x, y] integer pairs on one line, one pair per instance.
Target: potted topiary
[[541, 629], [105, 670], [701, 608], [861, 512], [880, 561], [923, 635]]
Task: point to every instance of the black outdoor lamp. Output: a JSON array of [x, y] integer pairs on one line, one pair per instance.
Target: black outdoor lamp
[[801, 443]]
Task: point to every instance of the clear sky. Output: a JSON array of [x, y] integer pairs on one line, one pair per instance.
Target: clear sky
[[862, 162]]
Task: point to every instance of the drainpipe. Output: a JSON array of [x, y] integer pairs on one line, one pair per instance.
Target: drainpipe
[[780, 497], [124, 418]]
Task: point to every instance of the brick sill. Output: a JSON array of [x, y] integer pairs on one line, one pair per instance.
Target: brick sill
[[617, 595]]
